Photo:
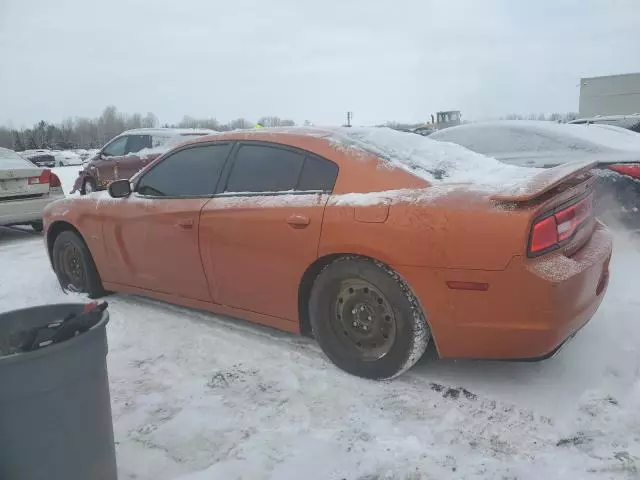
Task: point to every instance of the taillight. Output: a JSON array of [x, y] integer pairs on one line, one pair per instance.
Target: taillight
[[630, 169], [54, 181], [47, 176], [551, 231]]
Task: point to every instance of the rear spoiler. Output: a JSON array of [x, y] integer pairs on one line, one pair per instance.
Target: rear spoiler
[[543, 182]]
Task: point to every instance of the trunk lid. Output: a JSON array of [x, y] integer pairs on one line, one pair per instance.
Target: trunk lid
[[546, 181], [561, 205], [22, 182]]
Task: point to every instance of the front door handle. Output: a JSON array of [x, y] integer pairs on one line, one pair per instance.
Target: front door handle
[[298, 221], [185, 223]]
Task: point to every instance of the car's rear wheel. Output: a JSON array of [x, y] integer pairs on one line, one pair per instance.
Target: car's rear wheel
[[366, 319], [89, 186], [74, 265]]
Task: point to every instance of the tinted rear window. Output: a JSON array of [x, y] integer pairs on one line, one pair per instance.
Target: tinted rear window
[[260, 168]]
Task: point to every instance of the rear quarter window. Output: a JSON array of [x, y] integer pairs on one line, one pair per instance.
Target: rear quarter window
[[317, 174], [261, 168], [264, 168]]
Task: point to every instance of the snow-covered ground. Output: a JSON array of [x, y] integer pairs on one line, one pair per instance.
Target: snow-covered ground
[[196, 396]]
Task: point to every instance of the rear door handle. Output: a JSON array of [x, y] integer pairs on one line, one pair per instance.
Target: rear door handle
[[185, 223], [298, 221]]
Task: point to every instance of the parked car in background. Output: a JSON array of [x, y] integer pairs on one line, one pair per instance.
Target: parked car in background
[[86, 154], [377, 241], [25, 190], [127, 153], [630, 122], [547, 144], [40, 157], [66, 158]]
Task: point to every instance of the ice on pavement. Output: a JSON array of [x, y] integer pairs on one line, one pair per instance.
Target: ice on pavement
[[198, 397]]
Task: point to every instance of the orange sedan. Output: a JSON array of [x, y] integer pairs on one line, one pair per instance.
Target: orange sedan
[[374, 241]]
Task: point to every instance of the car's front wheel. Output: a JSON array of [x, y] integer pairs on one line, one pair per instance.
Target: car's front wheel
[[89, 186], [74, 265], [366, 319]]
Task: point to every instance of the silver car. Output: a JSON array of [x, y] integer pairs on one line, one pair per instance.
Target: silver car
[[25, 189]]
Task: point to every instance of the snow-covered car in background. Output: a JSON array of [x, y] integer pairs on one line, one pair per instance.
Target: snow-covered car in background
[[40, 157], [127, 153], [65, 158], [615, 150], [630, 122], [25, 190], [86, 154]]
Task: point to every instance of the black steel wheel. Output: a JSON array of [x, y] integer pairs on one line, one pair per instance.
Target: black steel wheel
[[74, 265], [366, 319]]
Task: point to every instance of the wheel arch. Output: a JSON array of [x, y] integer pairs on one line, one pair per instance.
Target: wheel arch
[[55, 230], [312, 272]]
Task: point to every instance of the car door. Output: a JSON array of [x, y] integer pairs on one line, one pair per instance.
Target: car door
[[151, 237], [261, 231], [103, 167]]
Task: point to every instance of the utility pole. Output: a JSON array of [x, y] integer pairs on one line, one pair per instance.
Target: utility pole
[[349, 118]]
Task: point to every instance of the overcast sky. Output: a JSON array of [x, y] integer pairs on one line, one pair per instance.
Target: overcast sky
[[307, 60]]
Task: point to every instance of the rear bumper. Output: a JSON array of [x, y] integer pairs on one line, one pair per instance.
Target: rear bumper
[[17, 212], [529, 310]]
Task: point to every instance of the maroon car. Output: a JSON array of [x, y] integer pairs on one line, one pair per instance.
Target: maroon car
[[127, 153]]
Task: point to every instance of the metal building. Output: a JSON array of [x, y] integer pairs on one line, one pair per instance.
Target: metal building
[[610, 95]]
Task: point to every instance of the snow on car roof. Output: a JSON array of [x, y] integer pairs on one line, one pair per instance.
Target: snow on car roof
[[433, 161], [169, 131]]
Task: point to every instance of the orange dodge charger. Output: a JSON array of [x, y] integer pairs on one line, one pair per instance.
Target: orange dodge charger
[[376, 242]]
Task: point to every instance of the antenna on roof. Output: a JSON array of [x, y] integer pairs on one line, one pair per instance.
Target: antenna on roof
[[349, 118]]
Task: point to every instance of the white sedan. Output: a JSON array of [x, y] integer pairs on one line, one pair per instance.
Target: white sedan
[[67, 157], [25, 190]]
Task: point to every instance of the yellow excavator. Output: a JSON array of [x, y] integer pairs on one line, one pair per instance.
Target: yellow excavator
[[441, 120]]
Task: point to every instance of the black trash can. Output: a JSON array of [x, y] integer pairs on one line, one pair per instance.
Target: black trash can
[[55, 411]]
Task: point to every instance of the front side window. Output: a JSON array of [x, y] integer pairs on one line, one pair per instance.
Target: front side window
[[192, 172], [116, 148], [136, 143], [261, 168]]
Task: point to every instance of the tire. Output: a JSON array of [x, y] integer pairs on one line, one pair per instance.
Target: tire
[[89, 182], [37, 226], [366, 319], [74, 265]]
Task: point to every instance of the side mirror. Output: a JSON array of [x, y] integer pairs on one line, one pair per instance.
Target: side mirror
[[120, 188]]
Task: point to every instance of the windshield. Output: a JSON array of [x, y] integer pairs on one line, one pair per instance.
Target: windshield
[[10, 159]]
